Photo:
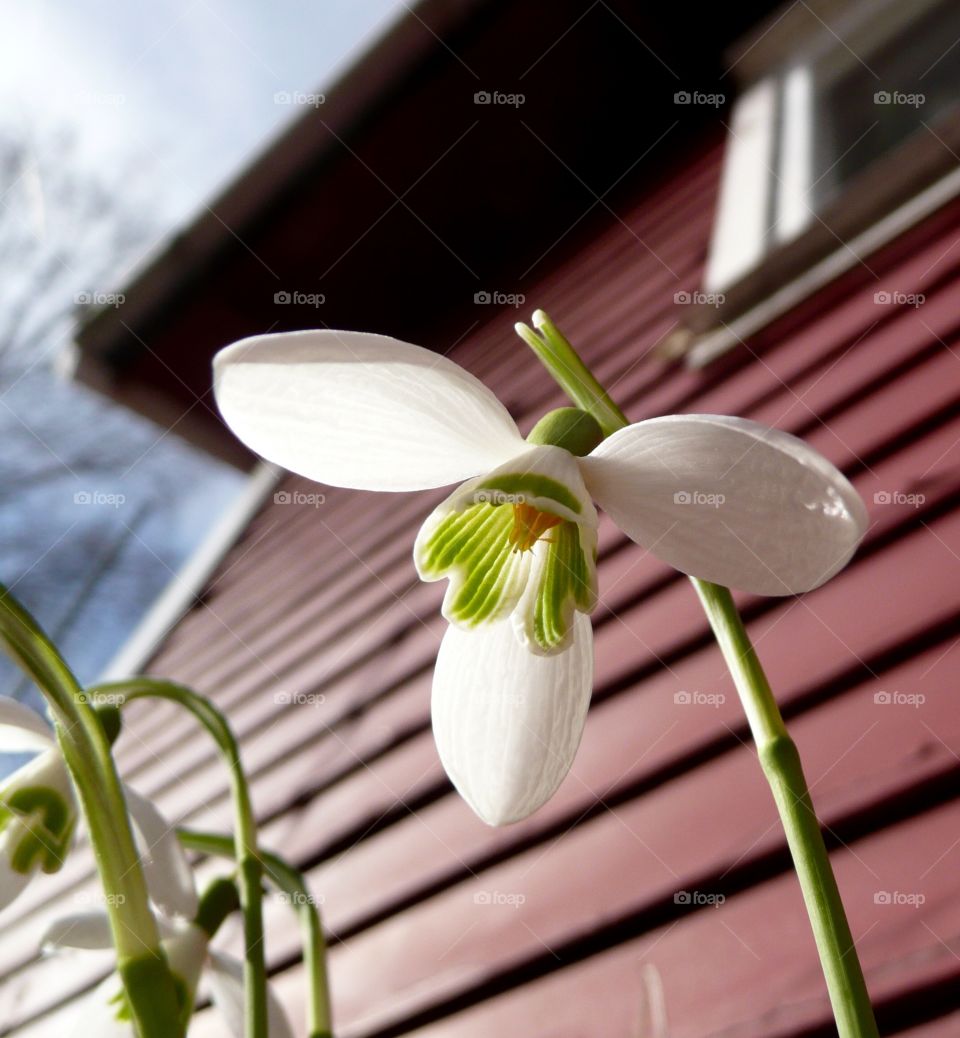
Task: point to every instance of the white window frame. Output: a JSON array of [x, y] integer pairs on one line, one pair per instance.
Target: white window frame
[[769, 247]]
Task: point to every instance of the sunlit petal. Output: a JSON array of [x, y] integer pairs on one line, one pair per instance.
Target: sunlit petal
[[729, 501], [364, 411], [508, 722]]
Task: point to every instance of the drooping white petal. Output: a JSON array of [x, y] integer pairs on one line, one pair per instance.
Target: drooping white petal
[[364, 411], [508, 722], [87, 930], [165, 867], [102, 1013], [187, 953], [22, 729], [729, 501], [226, 983]]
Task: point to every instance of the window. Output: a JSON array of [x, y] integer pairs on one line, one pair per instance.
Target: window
[[848, 110]]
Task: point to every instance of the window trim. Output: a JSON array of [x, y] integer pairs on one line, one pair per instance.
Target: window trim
[[784, 247], [718, 341]]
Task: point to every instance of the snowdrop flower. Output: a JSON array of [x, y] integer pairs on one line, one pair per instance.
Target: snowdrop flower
[[719, 498], [187, 946], [38, 816]]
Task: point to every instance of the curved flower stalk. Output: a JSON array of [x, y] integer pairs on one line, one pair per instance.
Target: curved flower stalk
[[719, 498], [187, 945], [38, 816]]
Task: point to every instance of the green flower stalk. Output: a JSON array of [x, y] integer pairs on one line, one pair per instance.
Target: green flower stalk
[[291, 883], [149, 989], [249, 863]]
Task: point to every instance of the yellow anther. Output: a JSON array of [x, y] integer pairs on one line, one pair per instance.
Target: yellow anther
[[529, 525]]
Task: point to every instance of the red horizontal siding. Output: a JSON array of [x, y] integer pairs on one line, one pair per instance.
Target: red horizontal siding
[[663, 797]]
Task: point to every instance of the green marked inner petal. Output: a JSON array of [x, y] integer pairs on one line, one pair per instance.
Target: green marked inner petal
[[518, 487], [564, 580], [456, 535], [459, 533], [47, 830], [472, 548]]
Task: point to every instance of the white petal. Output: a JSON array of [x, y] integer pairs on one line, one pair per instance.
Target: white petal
[[165, 867], [98, 1013], [22, 729], [226, 982], [507, 722], [729, 501], [88, 930], [363, 411], [187, 952]]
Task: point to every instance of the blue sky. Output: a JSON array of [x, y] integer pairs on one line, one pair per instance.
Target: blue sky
[[180, 90], [163, 103]]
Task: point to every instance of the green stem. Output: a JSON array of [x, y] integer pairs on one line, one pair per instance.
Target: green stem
[[778, 753], [291, 883], [781, 765], [246, 853], [141, 962], [572, 375]]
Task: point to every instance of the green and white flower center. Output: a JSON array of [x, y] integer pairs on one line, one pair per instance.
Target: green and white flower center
[[38, 815], [520, 542]]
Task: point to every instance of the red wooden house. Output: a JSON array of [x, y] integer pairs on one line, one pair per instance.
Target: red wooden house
[[725, 214]]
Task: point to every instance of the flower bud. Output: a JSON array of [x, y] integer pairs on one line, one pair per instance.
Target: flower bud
[[571, 428]]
